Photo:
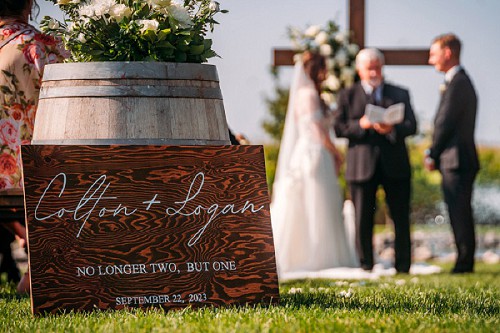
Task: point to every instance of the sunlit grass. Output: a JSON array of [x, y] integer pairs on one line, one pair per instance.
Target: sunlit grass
[[402, 303]]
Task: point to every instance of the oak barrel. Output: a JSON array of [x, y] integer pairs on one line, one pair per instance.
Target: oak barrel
[[148, 103]]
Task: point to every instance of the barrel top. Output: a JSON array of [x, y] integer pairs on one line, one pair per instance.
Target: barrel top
[[130, 70]]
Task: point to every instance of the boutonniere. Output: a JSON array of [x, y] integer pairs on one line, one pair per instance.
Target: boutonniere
[[442, 88]]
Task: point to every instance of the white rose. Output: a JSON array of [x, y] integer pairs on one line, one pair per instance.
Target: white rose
[[82, 39], [330, 63], [214, 6], [340, 37], [353, 49], [99, 11], [86, 11], [325, 50], [332, 83], [312, 31], [148, 25], [118, 12], [347, 72], [181, 15], [328, 98], [341, 57], [321, 38], [102, 7], [347, 75]]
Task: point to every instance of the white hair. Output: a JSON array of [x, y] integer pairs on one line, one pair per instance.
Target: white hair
[[369, 54]]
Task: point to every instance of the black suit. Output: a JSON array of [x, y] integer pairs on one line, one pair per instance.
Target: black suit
[[454, 153], [373, 160]]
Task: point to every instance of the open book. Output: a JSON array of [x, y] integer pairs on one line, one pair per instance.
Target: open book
[[394, 114]]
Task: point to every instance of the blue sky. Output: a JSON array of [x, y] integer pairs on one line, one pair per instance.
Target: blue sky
[[249, 32]]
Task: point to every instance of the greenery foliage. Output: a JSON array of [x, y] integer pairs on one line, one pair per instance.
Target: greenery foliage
[[490, 166], [426, 186], [271, 156], [132, 30], [426, 201], [435, 303], [276, 106]]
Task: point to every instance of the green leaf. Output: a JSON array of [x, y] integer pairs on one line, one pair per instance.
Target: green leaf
[[183, 48], [166, 54], [144, 11], [180, 56], [165, 45], [150, 35], [207, 43], [183, 32], [162, 34], [209, 54], [196, 49], [96, 52]]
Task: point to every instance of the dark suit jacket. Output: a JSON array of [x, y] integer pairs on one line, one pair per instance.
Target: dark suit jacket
[[453, 146], [367, 147]]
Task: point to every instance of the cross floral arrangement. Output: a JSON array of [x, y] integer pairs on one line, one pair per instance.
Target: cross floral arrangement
[[340, 55], [135, 30]]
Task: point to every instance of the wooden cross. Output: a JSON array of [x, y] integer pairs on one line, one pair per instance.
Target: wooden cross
[[284, 57]]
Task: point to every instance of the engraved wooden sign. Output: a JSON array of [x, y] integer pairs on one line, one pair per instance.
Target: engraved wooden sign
[[136, 226]]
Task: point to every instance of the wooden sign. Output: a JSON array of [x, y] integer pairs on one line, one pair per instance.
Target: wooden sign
[[111, 227]]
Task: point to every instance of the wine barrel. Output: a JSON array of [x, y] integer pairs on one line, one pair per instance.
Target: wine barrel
[[143, 103]]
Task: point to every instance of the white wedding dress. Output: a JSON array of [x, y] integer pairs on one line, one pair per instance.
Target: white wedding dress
[[306, 210]]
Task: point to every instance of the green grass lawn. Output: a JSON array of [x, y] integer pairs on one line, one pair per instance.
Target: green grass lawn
[[403, 303]]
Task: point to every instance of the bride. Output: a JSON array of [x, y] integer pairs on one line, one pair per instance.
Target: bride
[[306, 209]]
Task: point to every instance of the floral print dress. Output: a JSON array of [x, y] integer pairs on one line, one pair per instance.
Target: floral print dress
[[22, 60]]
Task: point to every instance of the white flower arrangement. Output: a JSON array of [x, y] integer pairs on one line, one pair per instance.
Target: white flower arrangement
[[336, 47], [134, 30]]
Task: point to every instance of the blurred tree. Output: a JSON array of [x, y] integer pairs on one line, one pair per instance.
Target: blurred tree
[[277, 106], [489, 174]]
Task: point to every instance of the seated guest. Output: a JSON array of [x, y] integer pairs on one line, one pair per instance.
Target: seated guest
[[24, 51]]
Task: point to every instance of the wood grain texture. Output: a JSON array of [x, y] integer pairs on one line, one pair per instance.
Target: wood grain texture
[[239, 238], [88, 103]]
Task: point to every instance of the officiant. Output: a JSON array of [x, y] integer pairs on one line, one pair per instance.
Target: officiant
[[377, 156]]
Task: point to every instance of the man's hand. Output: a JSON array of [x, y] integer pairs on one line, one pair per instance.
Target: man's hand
[[365, 123], [382, 128], [429, 163]]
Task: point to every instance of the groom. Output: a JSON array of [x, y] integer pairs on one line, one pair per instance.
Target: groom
[[377, 155], [453, 150]]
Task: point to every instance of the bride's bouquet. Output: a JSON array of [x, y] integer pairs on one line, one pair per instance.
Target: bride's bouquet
[[335, 45], [135, 30]]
